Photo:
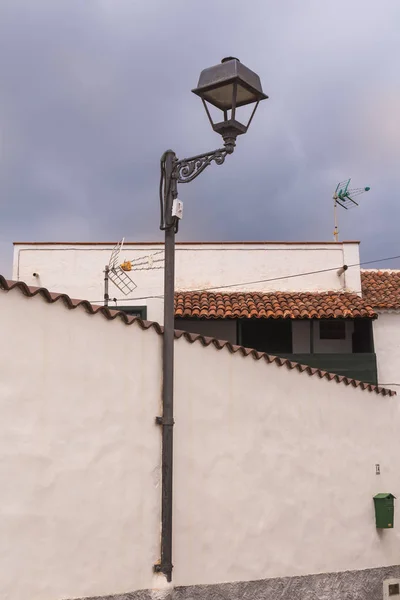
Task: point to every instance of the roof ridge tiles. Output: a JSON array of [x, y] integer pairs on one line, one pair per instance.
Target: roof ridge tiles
[[274, 304], [381, 288]]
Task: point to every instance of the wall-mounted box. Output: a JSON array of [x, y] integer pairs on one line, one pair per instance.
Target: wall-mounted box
[[384, 510]]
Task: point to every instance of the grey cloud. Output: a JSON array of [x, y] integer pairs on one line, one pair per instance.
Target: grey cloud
[[93, 92]]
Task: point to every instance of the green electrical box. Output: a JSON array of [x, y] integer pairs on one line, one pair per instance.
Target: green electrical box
[[384, 510]]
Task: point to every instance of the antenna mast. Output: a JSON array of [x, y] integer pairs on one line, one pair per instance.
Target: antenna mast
[[106, 296], [336, 230], [344, 197], [115, 273]]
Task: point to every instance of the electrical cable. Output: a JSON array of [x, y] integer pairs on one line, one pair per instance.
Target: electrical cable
[[163, 194], [162, 191], [220, 287], [368, 262]]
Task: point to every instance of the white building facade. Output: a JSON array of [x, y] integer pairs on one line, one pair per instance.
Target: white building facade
[[78, 269], [382, 288]]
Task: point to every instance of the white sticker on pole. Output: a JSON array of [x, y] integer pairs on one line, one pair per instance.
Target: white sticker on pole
[[177, 208]]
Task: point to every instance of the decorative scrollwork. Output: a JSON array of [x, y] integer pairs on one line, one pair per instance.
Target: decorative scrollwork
[[187, 169]]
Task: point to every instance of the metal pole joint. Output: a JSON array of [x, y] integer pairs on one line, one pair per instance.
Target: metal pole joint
[[162, 421]]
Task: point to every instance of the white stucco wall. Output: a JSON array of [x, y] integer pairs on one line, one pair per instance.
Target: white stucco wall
[[79, 452], [387, 348], [274, 470], [78, 269]]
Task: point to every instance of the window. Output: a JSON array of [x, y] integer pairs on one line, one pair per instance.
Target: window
[[132, 311], [394, 589], [332, 330]]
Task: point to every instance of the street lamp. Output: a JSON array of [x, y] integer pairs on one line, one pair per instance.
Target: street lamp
[[227, 86]]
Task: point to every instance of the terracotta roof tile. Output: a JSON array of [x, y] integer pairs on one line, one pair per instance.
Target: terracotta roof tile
[[381, 289], [192, 338], [277, 305]]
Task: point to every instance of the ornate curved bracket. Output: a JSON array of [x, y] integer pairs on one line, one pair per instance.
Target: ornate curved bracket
[[187, 169]]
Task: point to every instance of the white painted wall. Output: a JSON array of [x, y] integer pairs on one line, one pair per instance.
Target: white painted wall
[[79, 452], [274, 470], [77, 269], [301, 339], [387, 348]]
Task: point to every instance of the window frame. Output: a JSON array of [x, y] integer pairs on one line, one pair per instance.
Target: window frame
[[135, 311], [394, 589]]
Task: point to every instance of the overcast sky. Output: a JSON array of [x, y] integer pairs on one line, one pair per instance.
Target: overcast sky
[[93, 91]]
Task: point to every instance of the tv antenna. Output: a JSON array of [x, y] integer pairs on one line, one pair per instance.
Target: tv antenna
[[344, 197], [115, 272]]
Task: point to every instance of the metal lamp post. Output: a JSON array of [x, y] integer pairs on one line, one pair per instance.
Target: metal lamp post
[[227, 86]]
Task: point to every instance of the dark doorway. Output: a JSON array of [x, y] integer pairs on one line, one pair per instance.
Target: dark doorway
[[267, 335], [363, 336]]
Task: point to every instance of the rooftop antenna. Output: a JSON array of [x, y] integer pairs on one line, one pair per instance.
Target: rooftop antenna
[[117, 274], [344, 197]]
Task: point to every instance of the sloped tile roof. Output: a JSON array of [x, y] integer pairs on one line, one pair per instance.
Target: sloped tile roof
[[381, 289], [277, 305], [71, 304]]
